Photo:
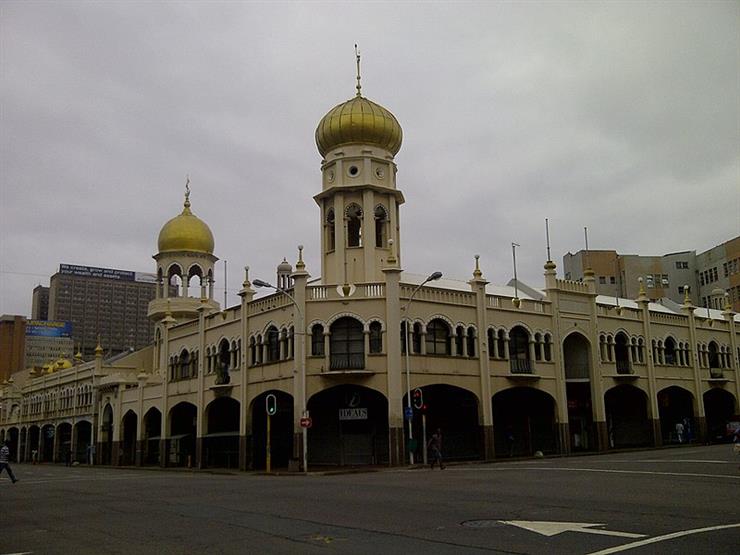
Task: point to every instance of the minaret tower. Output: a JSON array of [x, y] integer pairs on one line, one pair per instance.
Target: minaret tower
[[359, 202], [185, 258]]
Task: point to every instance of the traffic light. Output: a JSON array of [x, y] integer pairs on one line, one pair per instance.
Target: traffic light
[[418, 398], [271, 404]]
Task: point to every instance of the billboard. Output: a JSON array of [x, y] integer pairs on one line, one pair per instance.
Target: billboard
[[48, 328], [106, 273]]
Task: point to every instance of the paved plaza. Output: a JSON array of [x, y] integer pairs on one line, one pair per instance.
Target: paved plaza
[[678, 500]]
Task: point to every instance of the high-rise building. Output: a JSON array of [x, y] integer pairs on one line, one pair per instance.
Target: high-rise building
[[711, 275], [40, 303], [12, 345], [103, 302]]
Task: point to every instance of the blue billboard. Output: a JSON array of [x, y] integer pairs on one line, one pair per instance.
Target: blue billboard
[[48, 328]]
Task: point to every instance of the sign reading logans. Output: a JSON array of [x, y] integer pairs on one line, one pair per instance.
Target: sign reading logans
[[106, 273], [353, 414]]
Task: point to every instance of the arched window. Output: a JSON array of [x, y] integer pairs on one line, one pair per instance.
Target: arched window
[[471, 341], [330, 230], [459, 340], [252, 353], [174, 278], [670, 355], [519, 350], [381, 226], [283, 344], [273, 344], [641, 350], [404, 337], [317, 340], [438, 338], [621, 354], [347, 345], [416, 338], [490, 335], [353, 214], [184, 366], [194, 274], [376, 337], [537, 346], [224, 355], [713, 352], [501, 343], [547, 347]]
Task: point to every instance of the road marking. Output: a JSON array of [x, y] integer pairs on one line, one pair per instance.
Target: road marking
[[665, 537], [603, 470], [649, 472], [19, 553], [549, 528]]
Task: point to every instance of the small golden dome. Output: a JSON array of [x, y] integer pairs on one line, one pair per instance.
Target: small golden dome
[[186, 232], [359, 121]]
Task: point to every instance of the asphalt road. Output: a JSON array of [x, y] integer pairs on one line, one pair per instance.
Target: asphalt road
[[679, 500]]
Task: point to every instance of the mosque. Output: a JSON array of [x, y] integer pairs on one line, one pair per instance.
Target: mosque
[[360, 365]]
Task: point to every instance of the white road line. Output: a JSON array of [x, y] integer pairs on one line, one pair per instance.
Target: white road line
[[657, 539], [649, 472], [602, 470]]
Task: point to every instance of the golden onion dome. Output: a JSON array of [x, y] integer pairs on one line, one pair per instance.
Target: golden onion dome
[[186, 232], [359, 121], [61, 364]]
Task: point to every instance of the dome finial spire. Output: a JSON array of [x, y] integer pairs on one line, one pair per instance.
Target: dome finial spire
[[359, 86], [187, 191]]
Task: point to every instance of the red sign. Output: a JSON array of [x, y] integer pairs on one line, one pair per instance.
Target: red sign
[[306, 422]]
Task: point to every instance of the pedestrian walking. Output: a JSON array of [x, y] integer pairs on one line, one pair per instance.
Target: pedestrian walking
[[435, 449], [679, 431], [5, 461]]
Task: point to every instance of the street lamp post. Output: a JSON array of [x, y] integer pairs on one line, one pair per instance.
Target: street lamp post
[[302, 333], [432, 277]]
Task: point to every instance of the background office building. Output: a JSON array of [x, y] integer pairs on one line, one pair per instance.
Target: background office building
[[664, 276], [12, 345], [103, 302], [40, 303]]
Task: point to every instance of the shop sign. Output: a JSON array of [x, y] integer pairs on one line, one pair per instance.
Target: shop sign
[[353, 414]]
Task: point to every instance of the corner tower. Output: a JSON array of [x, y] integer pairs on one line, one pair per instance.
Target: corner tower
[[359, 202], [185, 267]]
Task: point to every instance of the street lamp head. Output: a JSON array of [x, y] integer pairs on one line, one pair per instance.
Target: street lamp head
[[435, 276], [260, 283]]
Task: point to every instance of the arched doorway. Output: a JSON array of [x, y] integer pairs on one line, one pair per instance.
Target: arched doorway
[[23, 445], [181, 443], [83, 441], [12, 437], [127, 454], [106, 436], [34, 435], [676, 405], [281, 431], [577, 362], [453, 410], [524, 422], [47, 443], [152, 427], [719, 407], [350, 426], [63, 438], [221, 443], [627, 417]]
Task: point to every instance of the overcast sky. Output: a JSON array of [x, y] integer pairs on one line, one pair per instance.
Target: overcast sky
[[622, 117]]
